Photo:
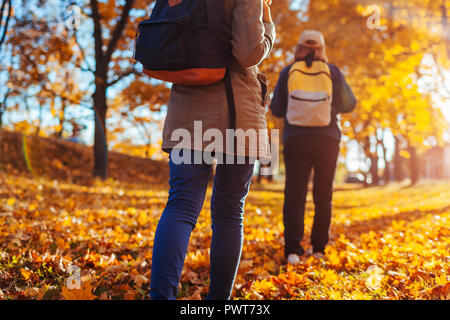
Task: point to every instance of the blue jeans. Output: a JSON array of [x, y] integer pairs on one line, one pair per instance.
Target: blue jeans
[[188, 183]]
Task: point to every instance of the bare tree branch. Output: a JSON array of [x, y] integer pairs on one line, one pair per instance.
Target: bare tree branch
[[440, 73], [83, 55], [2, 9], [5, 29], [118, 30], [122, 75]]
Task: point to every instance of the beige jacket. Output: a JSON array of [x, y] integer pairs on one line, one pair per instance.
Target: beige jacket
[[252, 41]]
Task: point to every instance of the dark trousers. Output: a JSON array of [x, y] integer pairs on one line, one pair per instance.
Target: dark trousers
[[188, 183], [301, 154]]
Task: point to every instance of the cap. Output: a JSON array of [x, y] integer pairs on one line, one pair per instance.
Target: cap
[[312, 38]]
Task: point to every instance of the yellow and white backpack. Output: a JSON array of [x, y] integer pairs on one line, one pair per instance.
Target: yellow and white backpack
[[310, 94]]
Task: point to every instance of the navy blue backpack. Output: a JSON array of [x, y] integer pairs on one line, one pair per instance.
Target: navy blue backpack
[[184, 42]]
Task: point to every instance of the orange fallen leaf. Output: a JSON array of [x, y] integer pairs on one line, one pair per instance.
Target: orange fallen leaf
[[139, 280], [84, 293], [25, 273]]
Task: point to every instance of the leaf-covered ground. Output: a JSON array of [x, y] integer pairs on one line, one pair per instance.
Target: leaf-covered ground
[[386, 243]]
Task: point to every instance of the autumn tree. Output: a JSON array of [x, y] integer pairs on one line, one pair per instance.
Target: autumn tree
[[114, 28], [109, 22], [42, 64], [381, 65], [5, 17], [79, 66], [91, 66]]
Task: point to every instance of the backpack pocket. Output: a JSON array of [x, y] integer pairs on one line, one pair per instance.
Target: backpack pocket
[[309, 109], [184, 42], [160, 44]]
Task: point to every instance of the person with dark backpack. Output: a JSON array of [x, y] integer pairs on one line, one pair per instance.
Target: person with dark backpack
[[310, 93], [210, 50]]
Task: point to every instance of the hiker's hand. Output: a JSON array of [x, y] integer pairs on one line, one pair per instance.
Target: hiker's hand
[[267, 17]]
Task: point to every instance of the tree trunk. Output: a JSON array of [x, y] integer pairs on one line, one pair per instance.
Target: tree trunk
[[387, 169], [2, 110], [62, 119], [374, 169], [100, 142], [38, 128], [102, 60], [413, 165], [373, 157], [3, 106], [149, 150], [387, 173], [445, 26], [149, 145], [398, 172]]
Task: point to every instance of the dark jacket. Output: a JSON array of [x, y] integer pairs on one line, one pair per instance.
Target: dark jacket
[[343, 101]]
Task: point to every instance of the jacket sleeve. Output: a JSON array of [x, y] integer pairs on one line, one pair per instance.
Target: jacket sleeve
[[279, 102], [343, 98], [252, 39]]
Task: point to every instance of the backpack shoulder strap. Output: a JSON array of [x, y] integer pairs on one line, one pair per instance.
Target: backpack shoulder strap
[[229, 6], [230, 100], [316, 69]]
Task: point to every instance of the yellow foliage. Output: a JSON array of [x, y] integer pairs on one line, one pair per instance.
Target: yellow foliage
[[386, 243], [84, 293]]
